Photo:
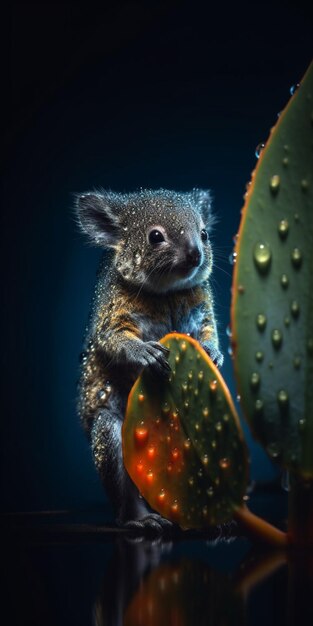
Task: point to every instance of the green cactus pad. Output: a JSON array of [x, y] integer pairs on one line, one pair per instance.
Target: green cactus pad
[[272, 293], [182, 442]]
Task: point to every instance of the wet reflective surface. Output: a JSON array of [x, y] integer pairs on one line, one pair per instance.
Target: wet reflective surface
[[65, 569]]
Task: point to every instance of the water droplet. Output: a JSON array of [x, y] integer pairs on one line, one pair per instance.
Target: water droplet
[[294, 88], [165, 408], [190, 375], [187, 444], [137, 258], [283, 229], [183, 346], [296, 217], [259, 405], [273, 450], [304, 185], [219, 427], [181, 232], [151, 452], [301, 424], [213, 444], [261, 321], [141, 397], [205, 412], [238, 397], [161, 496], [282, 399], [297, 362], [197, 426], [191, 480], [226, 418], [141, 435], [213, 386], [125, 228], [277, 338], [186, 405], [184, 387], [175, 507], [205, 459], [259, 149], [274, 184], [262, 257], [228, 331], [296, 258], [200, 376], [205, 511], [255, 380], [139, 466], [175, 454], [259, 356], [224, 463], [150, 476], [241, 289], [295, 309], [230, 351], [284, 281], [177, 358], [285, 161], [101, 395]]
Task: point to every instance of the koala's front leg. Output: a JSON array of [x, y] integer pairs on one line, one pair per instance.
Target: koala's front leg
[[208, 338]]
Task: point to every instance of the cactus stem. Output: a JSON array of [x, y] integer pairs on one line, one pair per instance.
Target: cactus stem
[[260, 530], [300, 512]]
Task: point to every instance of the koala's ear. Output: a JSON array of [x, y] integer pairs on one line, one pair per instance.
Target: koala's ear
[[203, 200], [98, 219]]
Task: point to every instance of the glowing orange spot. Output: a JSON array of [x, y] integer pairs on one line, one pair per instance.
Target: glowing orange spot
[[141, 435], [139, 466], [175, 507], [150, 476], [141, 397], [175, 454], [161, 496], [169, 467], [151, 452], [224, 463], [213, 385]]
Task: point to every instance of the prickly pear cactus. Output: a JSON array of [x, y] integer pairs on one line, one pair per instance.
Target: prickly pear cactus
[[272, 294], [182, 442]]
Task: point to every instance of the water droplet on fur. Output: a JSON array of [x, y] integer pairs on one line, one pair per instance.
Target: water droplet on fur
[[137, 258], [259, 149], [101, 395], [262, 257], [296, 258], [277, 338], [274, 184], [284, 281], [261, 321]]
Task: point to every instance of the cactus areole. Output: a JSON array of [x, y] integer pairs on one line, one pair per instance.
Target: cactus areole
[[272, 293], [182, 442]]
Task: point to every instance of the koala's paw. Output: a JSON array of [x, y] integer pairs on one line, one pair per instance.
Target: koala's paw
[[214, 353], [153, 354], [151, 524]]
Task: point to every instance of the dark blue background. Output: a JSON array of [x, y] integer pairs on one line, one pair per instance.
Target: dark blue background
[[122, 96]]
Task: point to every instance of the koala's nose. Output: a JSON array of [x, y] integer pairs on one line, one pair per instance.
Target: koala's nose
[[193, 256]]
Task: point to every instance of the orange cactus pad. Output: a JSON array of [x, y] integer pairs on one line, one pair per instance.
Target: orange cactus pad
[[182, 442]]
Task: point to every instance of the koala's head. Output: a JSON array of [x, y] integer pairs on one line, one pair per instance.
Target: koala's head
[[161, 238]]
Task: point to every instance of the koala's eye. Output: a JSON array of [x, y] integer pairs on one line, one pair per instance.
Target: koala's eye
[[204, 235], [155, 236]]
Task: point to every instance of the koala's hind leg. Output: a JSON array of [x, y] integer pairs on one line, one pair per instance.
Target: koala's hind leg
[[130, 508]]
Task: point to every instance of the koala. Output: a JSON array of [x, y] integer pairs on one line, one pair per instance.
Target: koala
[[154, 278]]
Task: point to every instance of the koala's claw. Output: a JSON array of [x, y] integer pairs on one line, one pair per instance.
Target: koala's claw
[[154, 356]]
